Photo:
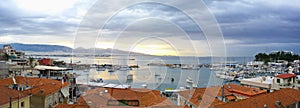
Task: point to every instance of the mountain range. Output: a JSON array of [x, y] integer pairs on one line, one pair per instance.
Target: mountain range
[[58, 48], [39, 47]]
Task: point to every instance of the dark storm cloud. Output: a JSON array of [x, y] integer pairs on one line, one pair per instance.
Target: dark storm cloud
[[148, 11], [257, 21], [254, 24], [15, 21]]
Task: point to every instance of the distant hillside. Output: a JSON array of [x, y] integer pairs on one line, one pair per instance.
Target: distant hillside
[[278, 55], [58, 48], [39, 47]]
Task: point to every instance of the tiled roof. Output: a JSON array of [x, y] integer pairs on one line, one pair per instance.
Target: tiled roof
[[80, 104], [204, 97], [208, 95], [286, 75], [98, 97], [286, 96], [71, 106], [40, 86], [230, 97], [6, 93], [243, 90]]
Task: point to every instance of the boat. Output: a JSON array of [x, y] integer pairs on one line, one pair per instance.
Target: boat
[[134, 66], [130, 77], [189, 80], [111, 70], [144, 85], [123, 68], [100, 69]]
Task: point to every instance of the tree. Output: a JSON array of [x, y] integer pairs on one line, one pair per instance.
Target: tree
[[32, 62], [274, 56], [4, 56]]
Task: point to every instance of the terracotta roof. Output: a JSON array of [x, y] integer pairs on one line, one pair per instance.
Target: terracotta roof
[[80, 104], [230, 97], [48, 86], [71, 106], [99, 97], [286, 96], [286, 75], [208, 95], [204, 97], [243, 90], [6, 93]]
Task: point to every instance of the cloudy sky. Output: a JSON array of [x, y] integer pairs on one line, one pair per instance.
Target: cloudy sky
[[156, 27]]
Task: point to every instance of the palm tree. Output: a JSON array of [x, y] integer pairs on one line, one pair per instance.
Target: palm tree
[[31, 62]]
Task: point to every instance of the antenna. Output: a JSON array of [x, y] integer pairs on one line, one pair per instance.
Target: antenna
[[14, 80]]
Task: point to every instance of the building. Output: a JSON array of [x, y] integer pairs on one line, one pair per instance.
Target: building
[[13, 98], [4, 67], [211, 96], [271, 83], [283, 98], [285, 79], [130, 97], [12, 52], [199, 97], [261, 82], [45, 93], [243, 92], [46, 62], [9, 50]]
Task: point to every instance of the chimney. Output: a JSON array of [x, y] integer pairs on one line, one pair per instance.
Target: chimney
[[278, 103], [100, 93]]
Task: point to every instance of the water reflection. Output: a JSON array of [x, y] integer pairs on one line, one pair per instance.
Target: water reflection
[[154, 77]]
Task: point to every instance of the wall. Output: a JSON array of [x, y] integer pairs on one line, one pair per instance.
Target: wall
[[37, 101], [15, 104], [3, 70]]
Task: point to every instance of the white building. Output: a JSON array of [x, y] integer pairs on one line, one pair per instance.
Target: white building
[[12, 52], [285, 79]]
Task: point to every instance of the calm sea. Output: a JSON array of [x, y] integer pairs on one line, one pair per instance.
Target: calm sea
[[155, 77]]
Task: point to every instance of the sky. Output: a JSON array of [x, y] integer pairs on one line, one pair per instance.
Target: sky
[[156, 27]]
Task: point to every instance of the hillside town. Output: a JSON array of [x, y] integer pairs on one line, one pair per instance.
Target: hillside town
[[27, 82]]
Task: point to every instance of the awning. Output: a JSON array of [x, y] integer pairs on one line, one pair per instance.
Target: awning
[[53, 68], [65, 92]]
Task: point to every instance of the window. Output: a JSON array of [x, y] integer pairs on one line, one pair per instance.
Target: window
[[22, 104], [55, 98], [278, 80], [50, 101], [133, 103], [112, 103], [290, 79]]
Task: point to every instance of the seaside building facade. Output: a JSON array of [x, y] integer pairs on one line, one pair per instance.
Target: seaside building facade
[[43, 93], [285, 79], [46, 62], [12, 53]]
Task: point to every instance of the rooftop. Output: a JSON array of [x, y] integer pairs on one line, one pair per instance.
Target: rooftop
[[206, 97], [286, 96], [109, 97], [40, 86], [284, 76], [264, 80], [6, 93], [243, 90]]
